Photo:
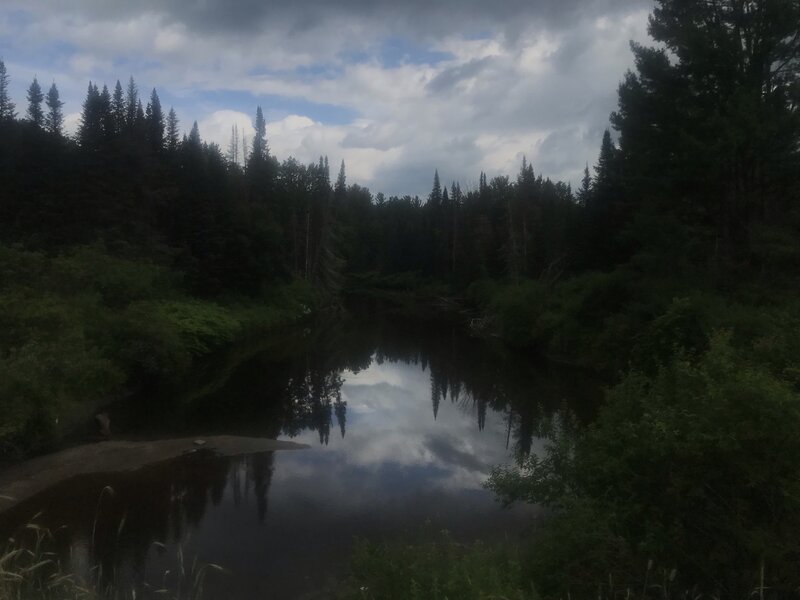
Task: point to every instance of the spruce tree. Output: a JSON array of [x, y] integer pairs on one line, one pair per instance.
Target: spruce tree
[[6, 105], [173, 135], [586, 187], [194, 136], [435, 197], [106, 115], [118, 108], [606, 179], [155, 123], [91, 128], [260, 150], [35, 98], [340, 188], [708, 120], [54, 121], [131, 103], [139, 122]]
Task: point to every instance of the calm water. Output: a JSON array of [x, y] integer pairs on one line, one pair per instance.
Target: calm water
[[405, 419]]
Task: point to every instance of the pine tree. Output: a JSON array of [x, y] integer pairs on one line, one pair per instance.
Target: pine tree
[[260, 150], [606, 180], [584, 194], [340, 188], [131, 103], [708, 120], [154, 121], [173, 135], [6, 105], [139, 120], [106, 116], [35, 97], [194, 136], [54, 121], [91, 127], [435, 197], [118, 108]]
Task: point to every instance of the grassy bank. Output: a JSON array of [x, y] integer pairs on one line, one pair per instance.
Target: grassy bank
[[437, 569], [83, 327], [31, 568]]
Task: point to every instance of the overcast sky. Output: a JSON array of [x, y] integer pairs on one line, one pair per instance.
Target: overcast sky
[[395, 89]]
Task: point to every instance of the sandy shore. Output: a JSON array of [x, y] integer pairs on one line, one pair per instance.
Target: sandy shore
[[20, 482]]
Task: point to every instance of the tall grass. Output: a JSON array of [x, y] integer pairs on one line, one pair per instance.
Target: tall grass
[[31, 568]]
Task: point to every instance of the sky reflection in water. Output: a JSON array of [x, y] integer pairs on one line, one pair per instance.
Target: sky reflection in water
[[404, 424]]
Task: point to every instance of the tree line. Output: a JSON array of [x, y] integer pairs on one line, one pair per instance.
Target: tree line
[[130, 178]]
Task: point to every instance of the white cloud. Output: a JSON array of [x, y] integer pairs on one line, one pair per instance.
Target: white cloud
[[530, 85]]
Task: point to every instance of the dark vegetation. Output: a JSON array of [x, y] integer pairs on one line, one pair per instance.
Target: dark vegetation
[[673, 271]]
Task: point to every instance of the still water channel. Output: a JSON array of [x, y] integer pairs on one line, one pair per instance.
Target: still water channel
[[404, 417]]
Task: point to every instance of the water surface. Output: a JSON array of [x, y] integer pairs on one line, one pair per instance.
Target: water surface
[[405, 419]]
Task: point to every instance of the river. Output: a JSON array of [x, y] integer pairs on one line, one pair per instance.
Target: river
[[405, 418]]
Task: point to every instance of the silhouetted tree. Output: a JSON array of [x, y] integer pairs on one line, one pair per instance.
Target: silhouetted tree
[[154, 122], [6, 105], [131, 103], [173, 135], [118, 108], [54, 121], [35, 96], [340, 188]]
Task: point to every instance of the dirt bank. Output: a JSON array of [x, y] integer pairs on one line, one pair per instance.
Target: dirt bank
[[26, 479]]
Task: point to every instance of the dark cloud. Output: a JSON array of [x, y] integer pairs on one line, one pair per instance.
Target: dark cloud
[[411, 17], [451, 76], [470, 85]]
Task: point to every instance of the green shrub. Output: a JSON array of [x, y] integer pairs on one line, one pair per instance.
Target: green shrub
[[202, 326], [118, 281], [435, 570], [76, 328], [694, 467]]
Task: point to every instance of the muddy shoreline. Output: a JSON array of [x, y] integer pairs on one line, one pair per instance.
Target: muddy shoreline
[[24, 480]]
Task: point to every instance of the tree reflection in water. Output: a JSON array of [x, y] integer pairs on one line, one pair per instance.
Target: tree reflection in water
[[293, 387]]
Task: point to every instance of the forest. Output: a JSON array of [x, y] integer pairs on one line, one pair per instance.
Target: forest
[[131, 250]]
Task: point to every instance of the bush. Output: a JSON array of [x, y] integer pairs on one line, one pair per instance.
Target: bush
[[434, 570], [694, 467], [76, 328]]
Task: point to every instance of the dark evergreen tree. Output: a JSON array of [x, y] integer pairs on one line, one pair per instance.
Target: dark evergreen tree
[[106, 114], [54, 121], [584, 194], [260, 151], [435, 197], [90, 131], [131, 103], [708, 121], [35, 98], [607, 184], [6, 105], [340, 188], [173, 134], [140, 120], [194, 136], [154, 121], [118, 108]]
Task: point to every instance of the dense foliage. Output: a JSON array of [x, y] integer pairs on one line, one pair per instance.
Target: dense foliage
[[437, 570]]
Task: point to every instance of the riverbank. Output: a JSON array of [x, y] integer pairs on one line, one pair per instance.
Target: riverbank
[[687, 477], [26, 479], [84, 327]]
